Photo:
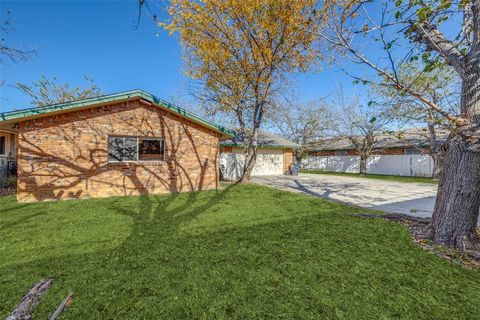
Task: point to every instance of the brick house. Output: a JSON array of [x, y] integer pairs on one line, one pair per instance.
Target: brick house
[[129, 143]]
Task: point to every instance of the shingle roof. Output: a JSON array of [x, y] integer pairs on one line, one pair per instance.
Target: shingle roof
[[25, 114], [265, 139], [410, 138]]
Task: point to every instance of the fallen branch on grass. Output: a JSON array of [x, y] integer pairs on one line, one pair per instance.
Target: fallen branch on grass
[[399, 217], [66, 302], [30, 300]]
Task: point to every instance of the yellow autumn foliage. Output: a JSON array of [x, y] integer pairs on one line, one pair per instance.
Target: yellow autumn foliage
[[242, 49]]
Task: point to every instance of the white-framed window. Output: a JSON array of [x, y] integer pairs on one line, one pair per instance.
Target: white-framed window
[[409, 151], [2, 145], [131, 149], [341, 152]]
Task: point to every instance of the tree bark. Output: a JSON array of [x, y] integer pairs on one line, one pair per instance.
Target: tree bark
[[436, 151], [250, 160], [457, 205], [438, 163], [456, 209], [250, 157], [363, 165]]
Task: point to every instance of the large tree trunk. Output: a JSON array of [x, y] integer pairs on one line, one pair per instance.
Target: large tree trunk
[[363, 165], [457, 205], [458, 200], [436, 151], [250, 160], [250, 157]]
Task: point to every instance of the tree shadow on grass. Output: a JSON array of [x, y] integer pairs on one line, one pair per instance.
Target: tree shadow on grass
[[155, 221], [309, 267], [18, 223], [165, 211]]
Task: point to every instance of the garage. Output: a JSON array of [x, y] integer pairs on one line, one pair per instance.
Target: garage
[[274, 156]]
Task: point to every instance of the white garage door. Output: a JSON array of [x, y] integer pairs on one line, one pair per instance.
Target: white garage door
[[269, 161]]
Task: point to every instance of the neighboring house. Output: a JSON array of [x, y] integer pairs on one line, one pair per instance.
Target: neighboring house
[[274, 156], [7, 152], [406, 156], [129, 143], [411, 142]]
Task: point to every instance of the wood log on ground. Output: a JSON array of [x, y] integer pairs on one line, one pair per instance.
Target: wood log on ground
[[30, 300]]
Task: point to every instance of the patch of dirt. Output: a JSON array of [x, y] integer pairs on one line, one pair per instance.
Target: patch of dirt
[[467, 259], [419, 232]]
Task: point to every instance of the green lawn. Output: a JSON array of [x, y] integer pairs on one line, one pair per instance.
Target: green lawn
[[376, 176], [246, 252]]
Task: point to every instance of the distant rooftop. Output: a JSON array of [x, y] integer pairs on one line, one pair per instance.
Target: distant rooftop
[[410, 138]]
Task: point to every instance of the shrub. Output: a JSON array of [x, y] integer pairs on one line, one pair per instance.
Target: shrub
[[8, 182]]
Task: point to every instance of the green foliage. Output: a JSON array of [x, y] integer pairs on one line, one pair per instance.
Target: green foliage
[[432, 79], [46, 92], [8, 182], [246, 252]]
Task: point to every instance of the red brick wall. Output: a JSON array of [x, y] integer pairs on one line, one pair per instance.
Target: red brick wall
[[226, 149], [65, 156], [287, 160]]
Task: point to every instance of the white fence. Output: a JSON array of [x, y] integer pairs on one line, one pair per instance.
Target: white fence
[[400, 165]]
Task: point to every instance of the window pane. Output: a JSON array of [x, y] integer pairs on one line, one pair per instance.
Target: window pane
[[150, 149], [115, 149], [130, 149]]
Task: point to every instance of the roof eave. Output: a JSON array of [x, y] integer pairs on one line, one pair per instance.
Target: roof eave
[[33, 113]]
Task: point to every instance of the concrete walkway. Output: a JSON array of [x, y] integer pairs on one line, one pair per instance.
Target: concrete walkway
[[415, 199]]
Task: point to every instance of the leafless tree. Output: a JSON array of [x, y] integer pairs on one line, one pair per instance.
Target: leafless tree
[[10, 52], [303, 123], [361, 125], [46, 92]]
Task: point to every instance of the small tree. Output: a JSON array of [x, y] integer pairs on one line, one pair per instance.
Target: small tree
[[242, 52], [303, 123], [45, 92], [362, 125]]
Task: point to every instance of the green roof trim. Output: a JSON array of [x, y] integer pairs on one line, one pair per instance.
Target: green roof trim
[[19, 114]]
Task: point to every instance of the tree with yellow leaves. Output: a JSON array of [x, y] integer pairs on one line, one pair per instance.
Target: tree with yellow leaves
[[242, 52]]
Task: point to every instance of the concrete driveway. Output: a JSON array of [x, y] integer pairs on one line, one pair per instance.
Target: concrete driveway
[[415, 199]]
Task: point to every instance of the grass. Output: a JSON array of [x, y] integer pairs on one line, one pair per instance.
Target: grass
[[246, 252], [377, 176]]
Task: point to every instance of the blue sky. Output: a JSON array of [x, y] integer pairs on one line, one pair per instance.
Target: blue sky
[[98, 39]]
